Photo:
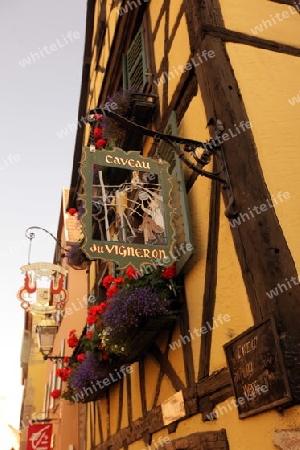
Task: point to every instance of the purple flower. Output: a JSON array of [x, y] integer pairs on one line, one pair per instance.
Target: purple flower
[[128, 310], [90, 370]]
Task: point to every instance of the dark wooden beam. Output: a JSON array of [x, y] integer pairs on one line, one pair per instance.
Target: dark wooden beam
[[143, 385], [100, 421], [167, 367], [107, 414], [161, 372], [129, 399], [217, 387], [101, 33], [242, 38], [215, 382], [209, 296], [208, 440], [94, 421], [188, 359], [92, 424], [157, 387], [120, 410], [261, 247], [165, 61], [292, 3]]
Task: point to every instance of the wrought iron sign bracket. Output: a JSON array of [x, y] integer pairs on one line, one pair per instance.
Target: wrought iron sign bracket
[[54, 359], [30, 235], [213, 147]]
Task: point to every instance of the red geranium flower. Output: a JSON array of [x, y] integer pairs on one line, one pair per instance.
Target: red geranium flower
[[58, 372], [91, 319], [63, 374], [72, 211], [72, 341], [101, 143], [98, 133], [55, 393], [103, 305], [89, 334], [111, 291], [100, 325], [107, 281], [98, 116], [72, 332], [98, 309], [66, 359], [119, 280], [131, 273], [93, 311], [169, 272], [80, 357]]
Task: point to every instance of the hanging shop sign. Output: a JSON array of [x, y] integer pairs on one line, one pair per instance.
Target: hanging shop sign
[[44, 285], [257, 369], [128, 216], [39, 437]]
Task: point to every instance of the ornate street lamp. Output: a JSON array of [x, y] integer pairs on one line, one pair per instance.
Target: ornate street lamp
[[46, 331], [43, 293]]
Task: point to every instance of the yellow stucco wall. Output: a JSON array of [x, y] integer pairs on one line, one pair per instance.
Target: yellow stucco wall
[[267, 81], [283, 25], [65, 414], [274, 125]]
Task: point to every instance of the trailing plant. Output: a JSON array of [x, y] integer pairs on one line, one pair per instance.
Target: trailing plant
[[76, 258], [114, 130], [132, 300], [113, 324]]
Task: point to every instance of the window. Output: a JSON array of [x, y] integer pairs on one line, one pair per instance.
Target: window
[[135, 63]]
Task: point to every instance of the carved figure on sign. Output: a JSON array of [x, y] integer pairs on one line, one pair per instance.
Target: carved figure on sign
[[153, 220]]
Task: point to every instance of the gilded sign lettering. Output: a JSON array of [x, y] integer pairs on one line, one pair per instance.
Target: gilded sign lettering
[[132, 163], [129, 251]]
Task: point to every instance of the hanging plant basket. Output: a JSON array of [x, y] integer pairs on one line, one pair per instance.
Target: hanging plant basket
[[119, 330], [133, 105], [147, 334]]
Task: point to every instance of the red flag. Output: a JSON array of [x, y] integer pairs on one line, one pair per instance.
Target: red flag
[[39, 436]]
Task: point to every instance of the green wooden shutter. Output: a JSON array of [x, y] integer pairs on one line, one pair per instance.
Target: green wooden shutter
[[134, 63], [179, 197]]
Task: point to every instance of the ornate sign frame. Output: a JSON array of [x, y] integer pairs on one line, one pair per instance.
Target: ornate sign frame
[[128, 217]]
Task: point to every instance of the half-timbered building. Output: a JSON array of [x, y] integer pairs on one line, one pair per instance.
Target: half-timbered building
[[220, 78]]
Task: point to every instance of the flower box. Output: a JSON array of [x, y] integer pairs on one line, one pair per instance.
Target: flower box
[[119, 330], [147, 334], [143, 339]]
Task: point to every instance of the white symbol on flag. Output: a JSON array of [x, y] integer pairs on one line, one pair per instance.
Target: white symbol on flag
[[40, 439]]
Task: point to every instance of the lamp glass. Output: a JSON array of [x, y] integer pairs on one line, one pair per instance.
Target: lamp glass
[[46, 336]]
